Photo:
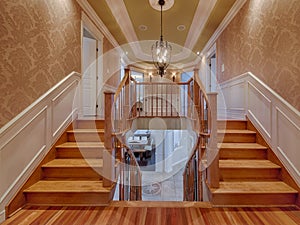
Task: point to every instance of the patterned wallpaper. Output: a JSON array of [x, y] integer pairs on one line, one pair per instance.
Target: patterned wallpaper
[[264, 38], [40, 44]]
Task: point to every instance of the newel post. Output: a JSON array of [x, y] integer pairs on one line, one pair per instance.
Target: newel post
[[109, 151], [213, 151]]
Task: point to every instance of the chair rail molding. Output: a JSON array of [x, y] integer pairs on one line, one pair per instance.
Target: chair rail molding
[[276, 119], [26, 139]]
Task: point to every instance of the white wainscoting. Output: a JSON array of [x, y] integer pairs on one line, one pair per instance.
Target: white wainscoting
[[275, 118], [26, 139], [231, 99]]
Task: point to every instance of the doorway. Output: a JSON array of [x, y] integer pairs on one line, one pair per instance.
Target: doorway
[[92, 70], [212, 80]]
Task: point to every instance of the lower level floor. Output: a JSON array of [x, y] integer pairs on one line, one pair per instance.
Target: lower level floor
[[155, 213]]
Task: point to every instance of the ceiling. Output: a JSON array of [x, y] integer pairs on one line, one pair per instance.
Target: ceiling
[[187, 25]]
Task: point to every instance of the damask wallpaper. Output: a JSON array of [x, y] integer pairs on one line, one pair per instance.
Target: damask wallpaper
[[40, 44], [264, 38]]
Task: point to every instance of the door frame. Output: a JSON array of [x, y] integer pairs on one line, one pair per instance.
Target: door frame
[[209, 79], [87, 24]]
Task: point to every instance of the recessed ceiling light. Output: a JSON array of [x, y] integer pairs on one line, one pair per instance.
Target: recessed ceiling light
[[181, 27], [143, 27]]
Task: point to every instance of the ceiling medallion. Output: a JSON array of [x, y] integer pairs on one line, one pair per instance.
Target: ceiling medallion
[[161, 50], [155, 5]]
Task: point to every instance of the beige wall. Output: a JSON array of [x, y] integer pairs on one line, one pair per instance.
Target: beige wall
[[264, 38], [39, 44]]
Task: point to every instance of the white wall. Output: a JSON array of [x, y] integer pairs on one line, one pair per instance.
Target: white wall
[[276, 119], [26, 139]]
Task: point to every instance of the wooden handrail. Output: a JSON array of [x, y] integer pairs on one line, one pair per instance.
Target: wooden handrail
[[153, 99], [121, 85], [117, 117], [207, 142]]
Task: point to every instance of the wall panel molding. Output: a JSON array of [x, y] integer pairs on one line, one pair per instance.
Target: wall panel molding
[[276, 119], [27, 138]]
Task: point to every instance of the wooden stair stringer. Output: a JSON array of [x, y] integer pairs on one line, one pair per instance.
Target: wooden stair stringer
[[71, 172], [247, 174]]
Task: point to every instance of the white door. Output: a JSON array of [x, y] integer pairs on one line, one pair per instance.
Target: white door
[[100, 95], [213, 79], [89, 79]]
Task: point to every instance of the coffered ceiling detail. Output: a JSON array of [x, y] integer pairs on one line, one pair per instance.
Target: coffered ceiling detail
[[187, 25]]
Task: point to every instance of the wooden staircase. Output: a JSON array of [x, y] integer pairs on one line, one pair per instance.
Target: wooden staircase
[[74, 177], [247, 176]]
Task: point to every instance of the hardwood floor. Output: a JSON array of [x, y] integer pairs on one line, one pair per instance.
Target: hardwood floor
[[151, 214]]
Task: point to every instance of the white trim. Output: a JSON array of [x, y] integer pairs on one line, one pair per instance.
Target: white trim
[[228, 18], [275, 94], [282, 131], [64, 125], [2, 216], [291, 169], [39, 119], [262, 95], [98, 22], [27, 171], [25, 112], [88, 24], [201, 16], [22, 128], [110, 88]]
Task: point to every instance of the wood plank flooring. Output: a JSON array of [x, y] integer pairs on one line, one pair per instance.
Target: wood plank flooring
[[153, 215]]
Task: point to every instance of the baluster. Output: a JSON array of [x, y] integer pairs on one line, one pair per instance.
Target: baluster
[[161, 100], [152, 99], [167, 100], [172, 100], [157, 98]]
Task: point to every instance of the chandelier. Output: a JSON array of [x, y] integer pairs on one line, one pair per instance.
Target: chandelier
[[161, 50]]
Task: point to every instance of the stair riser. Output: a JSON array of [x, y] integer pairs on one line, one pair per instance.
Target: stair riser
[[90, 137], [79, 153], [59, 172], [243, 154], [90, 124], [61, 199], [254, 199], [232, 125], [237, 138], [245, 173]]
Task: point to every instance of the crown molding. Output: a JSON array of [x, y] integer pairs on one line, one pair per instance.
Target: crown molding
[[201, 16], [87, 8], [228, 18]]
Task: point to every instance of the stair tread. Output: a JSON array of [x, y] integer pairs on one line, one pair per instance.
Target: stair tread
[[251, 163], [248, 187], [68, 186], [86, 131], [74, 163], [229, 131], [241, 146], [81, 145]]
